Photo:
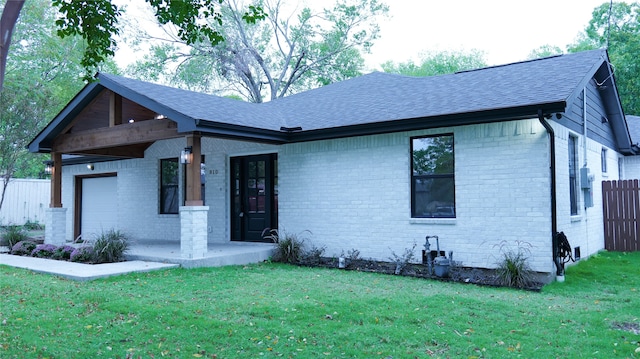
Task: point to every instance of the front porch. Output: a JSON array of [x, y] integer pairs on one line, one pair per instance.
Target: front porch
[[135, 165], [217, 254]]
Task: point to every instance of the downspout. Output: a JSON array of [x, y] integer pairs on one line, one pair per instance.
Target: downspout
[[552, 169], [584, 121]]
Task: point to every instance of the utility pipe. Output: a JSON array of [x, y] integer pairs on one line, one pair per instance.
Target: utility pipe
[[552, 169], [584, 122]]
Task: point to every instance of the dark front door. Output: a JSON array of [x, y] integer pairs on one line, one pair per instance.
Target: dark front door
[[254, 197]]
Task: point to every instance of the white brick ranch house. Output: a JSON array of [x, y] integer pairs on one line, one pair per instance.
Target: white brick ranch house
[[479, 158]]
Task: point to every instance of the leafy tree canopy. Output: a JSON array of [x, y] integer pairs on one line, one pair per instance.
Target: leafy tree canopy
[[42, 76], [438, 63], [544, 51], [616, 26], [291, 51], [96, 21]]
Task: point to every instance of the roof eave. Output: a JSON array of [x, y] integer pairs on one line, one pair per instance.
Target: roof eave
[[613, 108], [230, 131], [419, 123]]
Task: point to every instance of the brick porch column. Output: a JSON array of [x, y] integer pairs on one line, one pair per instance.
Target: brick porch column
[[55, 226], [55, 222], [193, 231]]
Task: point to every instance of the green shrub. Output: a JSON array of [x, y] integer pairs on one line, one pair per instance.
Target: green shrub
[[401, 261], [63, 253], [84, 254], [312, 256], [23, 248], [44, 250], [110, 247], [513, 268], [13, 234], [33, 226], [289, 246]]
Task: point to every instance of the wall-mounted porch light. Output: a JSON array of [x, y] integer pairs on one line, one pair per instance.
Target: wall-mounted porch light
[[48, 167], [186, 156], [90, 166]]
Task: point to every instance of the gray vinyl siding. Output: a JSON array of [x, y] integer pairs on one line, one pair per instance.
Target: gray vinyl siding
[[597, 130]]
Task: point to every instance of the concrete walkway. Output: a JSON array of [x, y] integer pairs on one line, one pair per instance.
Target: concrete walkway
[[80, 271], [144, 256]]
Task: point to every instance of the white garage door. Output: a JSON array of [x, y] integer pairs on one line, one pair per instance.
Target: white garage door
[[99, 206]]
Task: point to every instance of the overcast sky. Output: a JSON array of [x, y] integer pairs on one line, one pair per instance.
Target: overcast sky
[[506, 30]]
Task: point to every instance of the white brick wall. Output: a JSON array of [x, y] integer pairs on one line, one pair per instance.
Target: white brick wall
[[631, 167], [355, 193], [586, 229]]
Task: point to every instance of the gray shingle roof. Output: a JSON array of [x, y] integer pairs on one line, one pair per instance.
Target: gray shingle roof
[[380, 97], [373, 103], [386, 97], [195, 105], [633, 122]]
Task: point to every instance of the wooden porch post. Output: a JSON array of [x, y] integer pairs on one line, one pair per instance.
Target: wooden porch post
[[192, 173], [56, 181]]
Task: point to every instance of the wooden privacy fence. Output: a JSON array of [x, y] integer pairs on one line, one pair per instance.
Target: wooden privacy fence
[[621, 205], [25, 200]]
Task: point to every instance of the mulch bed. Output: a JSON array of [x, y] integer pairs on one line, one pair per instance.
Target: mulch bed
[[459, 274]]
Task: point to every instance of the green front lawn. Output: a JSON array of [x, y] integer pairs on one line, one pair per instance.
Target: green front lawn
[[273, 310]]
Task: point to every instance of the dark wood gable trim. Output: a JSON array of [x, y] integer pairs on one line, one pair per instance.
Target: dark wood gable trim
[[136, 133], [115, 109]]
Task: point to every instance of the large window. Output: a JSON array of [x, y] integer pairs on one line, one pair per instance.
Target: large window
[[432, 177], [573, 174], [169, 198]]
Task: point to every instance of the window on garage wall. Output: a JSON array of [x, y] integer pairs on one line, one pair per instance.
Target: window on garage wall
[[432, 177]]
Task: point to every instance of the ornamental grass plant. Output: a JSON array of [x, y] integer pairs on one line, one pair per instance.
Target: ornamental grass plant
[[110, 247], [274, 310], [13, 234]]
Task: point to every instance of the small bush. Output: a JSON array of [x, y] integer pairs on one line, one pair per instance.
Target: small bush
[[351, 256], [401, 261], [23, 248], [514, 269], [63, 253], [84, 254], [33, 226], [110, 247], [44, 250], [13, 234], [290, 247], [313, 256]]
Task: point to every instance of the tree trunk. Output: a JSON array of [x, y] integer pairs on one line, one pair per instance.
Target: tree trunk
[[7, 23]]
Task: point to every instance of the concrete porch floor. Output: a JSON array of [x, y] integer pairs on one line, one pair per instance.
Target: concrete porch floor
[[218, 254]]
